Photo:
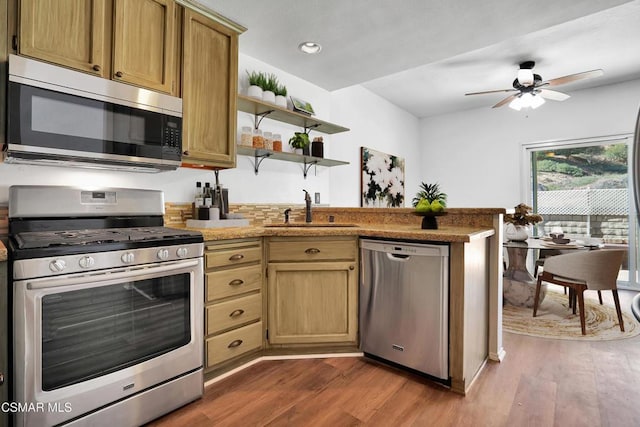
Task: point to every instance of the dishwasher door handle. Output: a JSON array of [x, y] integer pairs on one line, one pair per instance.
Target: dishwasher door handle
[[397, 257]]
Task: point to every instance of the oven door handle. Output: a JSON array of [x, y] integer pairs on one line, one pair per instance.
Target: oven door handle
[[104, 276]]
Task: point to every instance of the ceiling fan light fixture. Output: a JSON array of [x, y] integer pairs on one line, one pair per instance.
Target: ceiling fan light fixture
[[536, 101], [310, 47], [516, 104], [525, 76]]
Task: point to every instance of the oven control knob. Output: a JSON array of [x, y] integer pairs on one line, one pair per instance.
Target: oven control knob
[[87, 262], [182, 252], [163, 254], [57, 265], [127, 257]]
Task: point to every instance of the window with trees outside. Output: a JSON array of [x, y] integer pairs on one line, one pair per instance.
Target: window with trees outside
[[584, 188]]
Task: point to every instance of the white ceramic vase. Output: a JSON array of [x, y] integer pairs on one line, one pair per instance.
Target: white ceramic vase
[[268, 96], [517, 233], [254, 92], [281, 101]]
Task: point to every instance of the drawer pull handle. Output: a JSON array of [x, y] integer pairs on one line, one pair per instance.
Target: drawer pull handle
[[236, 313], [312, 251], [235, 343], [236, 282], [236, 257]]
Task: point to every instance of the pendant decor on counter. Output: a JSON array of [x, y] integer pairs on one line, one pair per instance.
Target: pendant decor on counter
[[382, 179], [516, 233]]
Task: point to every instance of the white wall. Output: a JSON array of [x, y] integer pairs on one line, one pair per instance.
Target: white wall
[[375, 123], [475, 154]]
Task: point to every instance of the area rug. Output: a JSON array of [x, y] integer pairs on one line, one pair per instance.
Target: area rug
[[556, 320]]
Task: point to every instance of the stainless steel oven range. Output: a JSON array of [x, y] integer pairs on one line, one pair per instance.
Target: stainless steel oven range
[[107, 307]]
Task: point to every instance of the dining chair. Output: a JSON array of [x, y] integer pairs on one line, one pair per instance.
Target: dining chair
[[581, 271]]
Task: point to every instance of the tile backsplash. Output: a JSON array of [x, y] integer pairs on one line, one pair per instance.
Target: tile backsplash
[[257, 214]]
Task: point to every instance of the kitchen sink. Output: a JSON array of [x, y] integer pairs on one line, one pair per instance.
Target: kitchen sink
[[311, 224]]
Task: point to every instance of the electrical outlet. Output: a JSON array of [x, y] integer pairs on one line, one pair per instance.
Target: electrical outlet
[[317, 198]]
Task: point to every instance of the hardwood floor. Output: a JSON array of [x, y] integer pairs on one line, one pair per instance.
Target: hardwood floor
[[541, 382]]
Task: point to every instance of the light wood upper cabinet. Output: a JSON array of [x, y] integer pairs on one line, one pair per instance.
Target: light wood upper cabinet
[[72, 33], [209, 86], [144, 43], [133, 41]]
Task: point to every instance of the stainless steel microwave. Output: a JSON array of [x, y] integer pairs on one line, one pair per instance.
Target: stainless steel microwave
[[58, 116]]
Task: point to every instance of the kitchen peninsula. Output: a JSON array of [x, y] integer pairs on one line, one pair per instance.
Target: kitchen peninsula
[[474, 239]]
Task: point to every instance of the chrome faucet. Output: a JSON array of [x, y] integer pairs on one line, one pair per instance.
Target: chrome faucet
[[307, 201], [286, 215]]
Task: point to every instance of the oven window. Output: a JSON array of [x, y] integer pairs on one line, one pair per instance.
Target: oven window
[[93, 332]]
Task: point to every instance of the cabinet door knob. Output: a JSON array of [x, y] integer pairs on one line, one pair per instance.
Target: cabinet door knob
[[186, 153], [119, 74], [236, 313], [351, 267], [236, 257], [235, 343], [97, 68], [1, 378]]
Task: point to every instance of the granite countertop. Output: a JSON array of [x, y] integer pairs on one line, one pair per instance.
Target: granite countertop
[[411, 232], [3, 252]]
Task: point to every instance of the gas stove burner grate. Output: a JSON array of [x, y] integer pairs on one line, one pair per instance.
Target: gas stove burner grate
[[47, 239]]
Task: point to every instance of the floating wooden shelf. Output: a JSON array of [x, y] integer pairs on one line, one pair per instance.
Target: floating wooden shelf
[[263, 109], [259, 154]]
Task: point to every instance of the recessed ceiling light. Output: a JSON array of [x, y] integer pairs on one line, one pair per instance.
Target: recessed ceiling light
[[310, 47]]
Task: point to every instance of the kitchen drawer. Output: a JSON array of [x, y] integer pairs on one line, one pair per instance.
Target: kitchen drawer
[[226, 315], [230, 257], [236, 281], [234, 343], [312, 250]]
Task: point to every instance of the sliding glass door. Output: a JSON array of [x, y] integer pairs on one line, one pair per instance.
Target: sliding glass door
[[584, 188]]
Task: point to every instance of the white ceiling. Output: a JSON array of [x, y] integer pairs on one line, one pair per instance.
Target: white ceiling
[[424, 55]]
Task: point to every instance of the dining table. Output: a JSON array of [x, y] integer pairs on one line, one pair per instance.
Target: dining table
[[519, 286]]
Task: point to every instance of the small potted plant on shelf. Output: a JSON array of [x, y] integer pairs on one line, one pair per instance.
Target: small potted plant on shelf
[[269, 88], [281, 96], [300, 143], [516, 225], [256, 81]]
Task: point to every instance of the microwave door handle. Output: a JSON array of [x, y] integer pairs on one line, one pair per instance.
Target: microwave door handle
[[44, 283]]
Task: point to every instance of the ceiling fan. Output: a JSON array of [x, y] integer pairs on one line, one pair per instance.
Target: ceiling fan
[[530, 90]]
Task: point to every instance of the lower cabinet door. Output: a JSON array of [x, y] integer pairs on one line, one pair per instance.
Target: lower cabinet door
[[315, 302], [233, 343]]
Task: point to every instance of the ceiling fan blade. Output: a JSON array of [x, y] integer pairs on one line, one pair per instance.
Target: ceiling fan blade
[[490, 91], [553, 95], [507, 100], [572, 78]]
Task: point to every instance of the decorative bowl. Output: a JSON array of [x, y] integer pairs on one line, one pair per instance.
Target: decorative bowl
[[429, 219]]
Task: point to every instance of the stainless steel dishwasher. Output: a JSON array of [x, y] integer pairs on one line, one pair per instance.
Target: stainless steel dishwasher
[[404, 305]]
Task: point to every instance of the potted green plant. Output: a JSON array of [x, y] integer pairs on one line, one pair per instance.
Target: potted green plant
[[300, 143], [269, 87], [281, 96], [430, 198], [255, 84]]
